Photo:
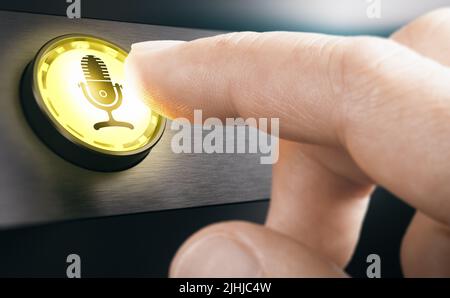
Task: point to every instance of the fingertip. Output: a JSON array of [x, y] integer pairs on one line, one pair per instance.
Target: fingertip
[[145, 68]]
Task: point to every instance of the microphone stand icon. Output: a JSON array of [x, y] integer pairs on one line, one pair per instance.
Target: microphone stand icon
[[100, 91]]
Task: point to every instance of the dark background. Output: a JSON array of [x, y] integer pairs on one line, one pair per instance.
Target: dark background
[[143, 244], [230, 15]]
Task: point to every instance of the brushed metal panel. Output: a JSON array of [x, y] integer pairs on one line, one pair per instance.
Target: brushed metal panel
[[38, 186]]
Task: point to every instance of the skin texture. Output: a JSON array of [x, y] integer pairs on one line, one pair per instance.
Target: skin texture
[[355, 112]]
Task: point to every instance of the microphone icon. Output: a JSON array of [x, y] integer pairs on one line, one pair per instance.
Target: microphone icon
[[100, 91]]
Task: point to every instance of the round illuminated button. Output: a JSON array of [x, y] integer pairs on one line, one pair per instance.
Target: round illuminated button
[[74, 98]]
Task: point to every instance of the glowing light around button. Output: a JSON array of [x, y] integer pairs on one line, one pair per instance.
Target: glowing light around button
[[62, 86]]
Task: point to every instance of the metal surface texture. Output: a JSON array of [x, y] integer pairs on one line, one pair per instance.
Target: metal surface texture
[[37, 186]]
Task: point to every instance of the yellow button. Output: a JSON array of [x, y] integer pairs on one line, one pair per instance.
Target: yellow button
[[75, 99]]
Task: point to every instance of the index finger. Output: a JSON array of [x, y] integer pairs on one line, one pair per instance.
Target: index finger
[[385, 104]]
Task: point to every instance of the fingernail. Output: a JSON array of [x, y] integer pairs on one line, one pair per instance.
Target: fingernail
[[216, 256], [154, 45]]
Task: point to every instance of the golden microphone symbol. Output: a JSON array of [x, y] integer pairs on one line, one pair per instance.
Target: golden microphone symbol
[[100, 91]]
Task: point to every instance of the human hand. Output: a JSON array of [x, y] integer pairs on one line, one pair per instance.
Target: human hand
[[354, 112]]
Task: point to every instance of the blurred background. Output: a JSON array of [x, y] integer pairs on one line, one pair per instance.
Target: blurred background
[[339, 16], [141, 245]]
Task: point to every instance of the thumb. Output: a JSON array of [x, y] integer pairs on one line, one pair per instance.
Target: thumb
[[240, 249]]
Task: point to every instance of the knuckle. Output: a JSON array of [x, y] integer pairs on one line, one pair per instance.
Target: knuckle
[[432, 19], [366, 55], [366, 78], [367, 63], [424, 26]]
